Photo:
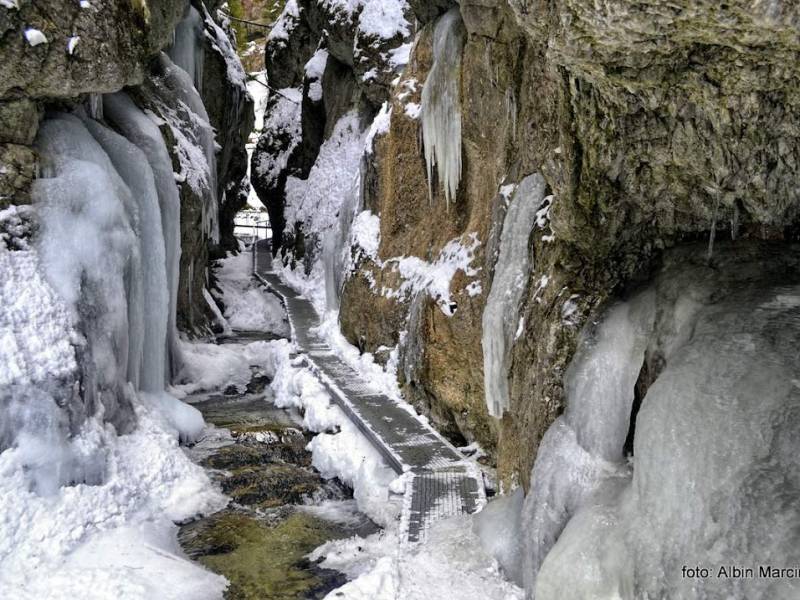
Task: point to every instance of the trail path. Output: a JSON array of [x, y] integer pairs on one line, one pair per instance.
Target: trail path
[[442, 482]]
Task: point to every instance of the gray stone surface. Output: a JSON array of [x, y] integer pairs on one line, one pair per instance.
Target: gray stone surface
[[115, 39]]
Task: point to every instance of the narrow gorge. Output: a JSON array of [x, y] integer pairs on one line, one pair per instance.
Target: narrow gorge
[[563, 236]]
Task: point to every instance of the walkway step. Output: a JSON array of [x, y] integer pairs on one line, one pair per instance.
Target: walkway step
[[442, 482]]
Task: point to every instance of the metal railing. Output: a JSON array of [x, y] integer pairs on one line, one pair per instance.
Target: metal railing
[[228, 15]]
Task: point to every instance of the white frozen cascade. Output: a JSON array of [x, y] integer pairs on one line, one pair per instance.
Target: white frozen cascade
[[89, 435], [109, 247], [713, 481], [508, 285], [144, 134], [187, 48], [441, 105], [107, 219]]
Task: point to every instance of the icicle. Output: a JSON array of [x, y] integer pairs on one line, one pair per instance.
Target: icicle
[[441, 105], [501, 314], [713, 233], [204, 180]]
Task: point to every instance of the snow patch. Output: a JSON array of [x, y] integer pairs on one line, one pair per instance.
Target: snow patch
[[365, 233], [35, 36], [72, 43], [380, 126], [434, 278], [281, 134], [450, 564], [285, 24]]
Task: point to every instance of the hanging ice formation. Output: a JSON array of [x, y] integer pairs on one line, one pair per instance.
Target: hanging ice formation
[[441, 105], [182, 66], [90, 253], [186, 114], [187, 48], [714, 475], [508, 285], [105, 270], [109, 247]]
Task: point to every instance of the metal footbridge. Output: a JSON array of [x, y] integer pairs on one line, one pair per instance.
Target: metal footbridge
[[441, 483]]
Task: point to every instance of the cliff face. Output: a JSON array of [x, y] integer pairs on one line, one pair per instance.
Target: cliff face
[[652, 126], [58, 50], [61, 55], [324, 60], [668, 125]]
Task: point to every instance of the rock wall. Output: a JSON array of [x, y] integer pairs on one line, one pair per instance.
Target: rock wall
[[653, 125], [64, 54], [57, 51]]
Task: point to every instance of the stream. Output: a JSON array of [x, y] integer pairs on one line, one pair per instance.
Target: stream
[[280, 509]]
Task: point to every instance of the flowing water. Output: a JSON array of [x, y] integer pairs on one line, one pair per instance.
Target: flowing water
[[281, 508]]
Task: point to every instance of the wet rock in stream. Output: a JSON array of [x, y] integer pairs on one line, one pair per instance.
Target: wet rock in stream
[[261, 540]]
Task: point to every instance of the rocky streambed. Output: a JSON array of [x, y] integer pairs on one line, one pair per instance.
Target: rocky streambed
[[280, 508]]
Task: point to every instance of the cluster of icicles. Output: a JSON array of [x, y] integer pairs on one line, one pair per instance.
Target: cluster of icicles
[[441, 105]]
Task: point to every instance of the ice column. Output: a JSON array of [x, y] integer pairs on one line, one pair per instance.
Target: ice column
[[90, 253], [715, 472], [141, 131], [582, 451], [508, 286], [131, 164]]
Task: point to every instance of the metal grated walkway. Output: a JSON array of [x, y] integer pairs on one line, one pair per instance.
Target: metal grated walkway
[[442, 483]]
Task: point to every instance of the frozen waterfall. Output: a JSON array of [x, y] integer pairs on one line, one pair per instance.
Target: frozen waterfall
[[91, 255], [110, 216], [441, 105], [508, 286], [131, 164], [102, 251], [142, 132], [714, 479], [187, 48]]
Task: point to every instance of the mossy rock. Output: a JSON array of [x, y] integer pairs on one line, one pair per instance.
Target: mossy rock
[[284, 449], [268, 486]]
